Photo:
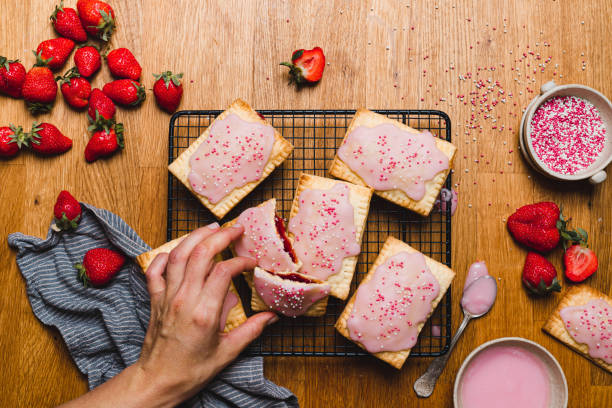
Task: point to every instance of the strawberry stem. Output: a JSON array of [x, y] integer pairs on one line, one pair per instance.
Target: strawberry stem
[[40, 61], [82, 274], [18, 136], [571, 237]]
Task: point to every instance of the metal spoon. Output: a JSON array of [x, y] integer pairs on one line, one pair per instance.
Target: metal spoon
[[425, 384]]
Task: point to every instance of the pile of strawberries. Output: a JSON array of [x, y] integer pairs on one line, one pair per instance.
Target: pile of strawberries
[[541, 227], [38, 86]]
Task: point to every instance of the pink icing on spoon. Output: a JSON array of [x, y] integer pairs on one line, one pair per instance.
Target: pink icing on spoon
[[591, 324], [479, 293], [390, 306], [288, 297], [389, 158], [231, 300], [235, 153], [477, 269], [324, 230], [261, 240]]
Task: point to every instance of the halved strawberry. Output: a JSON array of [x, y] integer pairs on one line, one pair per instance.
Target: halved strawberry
[[306, 66], [580, 263]]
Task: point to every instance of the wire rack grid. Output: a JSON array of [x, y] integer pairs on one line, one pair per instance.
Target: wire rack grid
[[316, 135]]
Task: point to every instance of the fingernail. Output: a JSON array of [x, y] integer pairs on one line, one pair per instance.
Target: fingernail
[[272, 320], [213, 226], [237, 226]]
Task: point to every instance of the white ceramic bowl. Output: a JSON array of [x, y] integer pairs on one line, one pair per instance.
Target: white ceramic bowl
[[595, 172], [558, 383]]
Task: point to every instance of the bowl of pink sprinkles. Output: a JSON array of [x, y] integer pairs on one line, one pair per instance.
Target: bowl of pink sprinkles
[[566, 133]]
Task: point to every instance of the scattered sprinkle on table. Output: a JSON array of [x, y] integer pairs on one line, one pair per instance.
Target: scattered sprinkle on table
[[568, 134]]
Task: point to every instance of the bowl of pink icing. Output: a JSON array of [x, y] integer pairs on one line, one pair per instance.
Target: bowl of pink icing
[[510, 372], [566, 133]]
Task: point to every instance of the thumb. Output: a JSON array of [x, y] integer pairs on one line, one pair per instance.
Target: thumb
[[239, 338]]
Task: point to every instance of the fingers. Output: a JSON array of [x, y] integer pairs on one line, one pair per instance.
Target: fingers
[[179, 256], [156, 284], [202, 257], [243, 335], [218, 282], [201, 262]]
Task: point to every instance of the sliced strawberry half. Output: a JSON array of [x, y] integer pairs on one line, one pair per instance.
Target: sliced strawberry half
[[306, 66], [580, 263]]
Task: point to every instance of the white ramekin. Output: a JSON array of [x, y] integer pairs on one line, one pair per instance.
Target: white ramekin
[[558, 383], [594, 173]]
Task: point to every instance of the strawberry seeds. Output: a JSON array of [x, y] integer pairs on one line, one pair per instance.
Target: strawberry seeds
[[568, 134]]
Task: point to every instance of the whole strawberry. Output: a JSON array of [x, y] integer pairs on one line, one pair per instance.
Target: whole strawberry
[[12, 139], [99, 266], [539, 275], [125, 92], [97, 17], [122, 64], [535, 226], [306, 66], [66, 22], [39, 88], [100, 105], [76, 90], [47, 140], [87, 60], [12, 76], [67, 212], [168, 90], [56, 51], [104, 142]]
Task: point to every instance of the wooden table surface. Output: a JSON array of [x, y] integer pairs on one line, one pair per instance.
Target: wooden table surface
[[381, 54]]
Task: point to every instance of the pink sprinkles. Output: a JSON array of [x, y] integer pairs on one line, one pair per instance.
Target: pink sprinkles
[[568, 134]]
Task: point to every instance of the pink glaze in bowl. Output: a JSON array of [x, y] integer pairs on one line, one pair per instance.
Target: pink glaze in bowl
[[558, 383]]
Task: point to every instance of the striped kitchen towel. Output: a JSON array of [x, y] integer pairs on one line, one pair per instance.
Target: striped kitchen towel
[[104, 329]]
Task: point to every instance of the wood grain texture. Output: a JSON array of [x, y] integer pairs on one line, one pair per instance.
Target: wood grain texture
[[230, 49]]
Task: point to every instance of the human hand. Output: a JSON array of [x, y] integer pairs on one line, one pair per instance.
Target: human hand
[[183, 348]]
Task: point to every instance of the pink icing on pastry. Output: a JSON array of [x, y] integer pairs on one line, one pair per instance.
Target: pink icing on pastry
[[287, 296], [235, 153], [324, 230], [231, 300], [389, 158], [261, 240], [591, 324], [390, 306]]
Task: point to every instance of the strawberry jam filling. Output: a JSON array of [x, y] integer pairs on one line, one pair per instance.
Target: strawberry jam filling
[[282, 232], [296, 277]]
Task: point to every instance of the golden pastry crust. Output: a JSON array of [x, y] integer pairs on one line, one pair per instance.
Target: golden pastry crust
[[575, 296], [339, 169], [258, 305], [236, 315], [280, 151], [443, 274], [360, 200]]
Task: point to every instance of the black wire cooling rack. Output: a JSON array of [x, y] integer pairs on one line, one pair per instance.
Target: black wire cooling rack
[[315, 135]]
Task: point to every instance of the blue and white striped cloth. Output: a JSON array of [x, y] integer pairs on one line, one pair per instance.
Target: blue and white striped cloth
[[104, 328]]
